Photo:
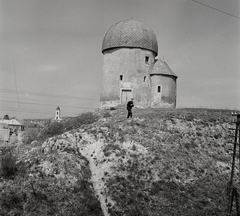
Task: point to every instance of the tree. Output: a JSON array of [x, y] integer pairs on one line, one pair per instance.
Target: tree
[[6, 117]]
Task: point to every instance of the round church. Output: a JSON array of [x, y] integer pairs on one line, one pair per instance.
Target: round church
[[131, 69]]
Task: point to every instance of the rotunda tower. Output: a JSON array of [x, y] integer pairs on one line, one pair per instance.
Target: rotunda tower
[[164, 86], [129, 48]]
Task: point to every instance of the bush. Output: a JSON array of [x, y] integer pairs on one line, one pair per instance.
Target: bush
[[106, 115], [42, 195], [84, 118], [9, 166], [30, 135], [56, 128], [111, 148]]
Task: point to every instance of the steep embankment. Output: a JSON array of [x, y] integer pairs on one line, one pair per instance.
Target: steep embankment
[[161, 162], [49, 179]]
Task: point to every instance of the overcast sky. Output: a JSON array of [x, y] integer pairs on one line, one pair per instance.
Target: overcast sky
[[51, 56]]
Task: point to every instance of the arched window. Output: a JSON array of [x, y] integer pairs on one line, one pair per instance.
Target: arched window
[[147, 60], [121, 77], [159, 89], [144, 79]]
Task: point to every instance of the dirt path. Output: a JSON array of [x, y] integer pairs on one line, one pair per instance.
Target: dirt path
[[93, 153]]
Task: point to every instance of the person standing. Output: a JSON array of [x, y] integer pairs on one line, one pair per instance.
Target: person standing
[[130, 105]]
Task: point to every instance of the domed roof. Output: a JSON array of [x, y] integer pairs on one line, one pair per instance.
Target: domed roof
[[130, 33], [161, 67]]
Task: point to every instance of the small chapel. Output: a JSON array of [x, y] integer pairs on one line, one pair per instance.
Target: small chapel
[[57, 114], [131, 68]]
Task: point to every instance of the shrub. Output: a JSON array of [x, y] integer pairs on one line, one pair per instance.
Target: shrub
[[106, 115], [42, 196], [30, 135], [84, 118], [111, 148], [56, 128], [134, 148], [9, 167]]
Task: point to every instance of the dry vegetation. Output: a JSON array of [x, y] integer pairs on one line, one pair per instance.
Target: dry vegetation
[[184, 170], [163, 162]]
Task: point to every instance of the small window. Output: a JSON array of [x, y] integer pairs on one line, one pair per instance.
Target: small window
[[147, 59], [159, 88], [121, 77], [144, 79]]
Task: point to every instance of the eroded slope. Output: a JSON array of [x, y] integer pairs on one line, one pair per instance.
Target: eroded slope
[[161, 162]]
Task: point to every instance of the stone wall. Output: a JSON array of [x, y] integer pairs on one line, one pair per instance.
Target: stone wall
[[167, 97], [4, 134], [134, 64]]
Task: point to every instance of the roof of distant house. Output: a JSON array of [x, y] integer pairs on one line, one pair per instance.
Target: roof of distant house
[[12, 122]]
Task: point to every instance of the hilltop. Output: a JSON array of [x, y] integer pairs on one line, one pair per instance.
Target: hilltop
[[161, 162]]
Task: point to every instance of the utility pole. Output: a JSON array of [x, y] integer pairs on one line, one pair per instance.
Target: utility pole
[[232, 189]]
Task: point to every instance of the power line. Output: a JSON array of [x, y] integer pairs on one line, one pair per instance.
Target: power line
[[15, 82], [23, 99], [24, 110], [6, 101], [46, 94], [28, 111], [216, 9]]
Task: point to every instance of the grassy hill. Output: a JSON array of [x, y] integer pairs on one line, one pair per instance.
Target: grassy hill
[[161, 162]]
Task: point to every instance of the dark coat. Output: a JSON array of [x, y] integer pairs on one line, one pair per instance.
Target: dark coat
[[130, 105]]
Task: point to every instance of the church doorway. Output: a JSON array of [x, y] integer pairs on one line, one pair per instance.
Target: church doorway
[[126, 95]]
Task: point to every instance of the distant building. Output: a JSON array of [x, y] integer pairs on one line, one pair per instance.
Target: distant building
[[3, 125], [57, 114], [13, 124], [4, 132], [131, 70]]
